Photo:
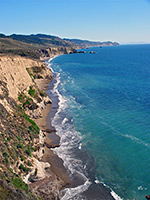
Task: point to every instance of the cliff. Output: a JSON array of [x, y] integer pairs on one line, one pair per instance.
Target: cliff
[[21, 140], [53, 51], [36, 54], [13, 71]]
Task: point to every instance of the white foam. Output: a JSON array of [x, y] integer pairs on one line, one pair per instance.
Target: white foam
[[49, 66], [141, 188], [71, 192], [52, 58], [80, 146], [69, 139], [115, 195], [49, 63], [64, 121], [57, 83], [97, 181]]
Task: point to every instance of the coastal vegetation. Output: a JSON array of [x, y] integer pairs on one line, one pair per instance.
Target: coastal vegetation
[[16, 146], [19, 133]]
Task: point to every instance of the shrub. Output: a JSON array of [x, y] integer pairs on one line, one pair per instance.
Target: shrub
[[31, 91], [33, 106], [28, 151], [31, 128], [42, 93], [34, 125], [20, 146], [25, 169], [8, 138], [21, 96], [5, 154], [29, 163], [10, 169], [18, 138], [18, 183], [33, 149], [22, 158], [27, 102], [6, 160]]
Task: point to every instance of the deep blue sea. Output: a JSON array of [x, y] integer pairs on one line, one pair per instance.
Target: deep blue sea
[[104, 119]]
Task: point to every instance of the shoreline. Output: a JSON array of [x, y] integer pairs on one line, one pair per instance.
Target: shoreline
[[56, 171], [52, 140]]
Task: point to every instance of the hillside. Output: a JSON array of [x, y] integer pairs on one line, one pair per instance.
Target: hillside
[[38, 46], [86, 43], [32, 41]]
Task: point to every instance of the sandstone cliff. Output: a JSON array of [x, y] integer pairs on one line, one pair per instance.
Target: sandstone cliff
[[13, 71], [52, 51], [36, 53]]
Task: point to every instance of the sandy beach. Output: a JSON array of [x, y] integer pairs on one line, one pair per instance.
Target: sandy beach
[[58, 176], [51, 141]]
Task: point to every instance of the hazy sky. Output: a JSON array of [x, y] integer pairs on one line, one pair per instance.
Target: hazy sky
[[97, 20]]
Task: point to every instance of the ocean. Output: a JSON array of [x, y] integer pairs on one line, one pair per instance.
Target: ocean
[[103, 121]]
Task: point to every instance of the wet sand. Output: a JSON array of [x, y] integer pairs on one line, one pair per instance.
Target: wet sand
[[51, 139]]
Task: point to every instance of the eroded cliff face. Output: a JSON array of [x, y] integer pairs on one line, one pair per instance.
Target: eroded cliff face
[[38, 53], [13, 70], [21, 140], [53, 51]]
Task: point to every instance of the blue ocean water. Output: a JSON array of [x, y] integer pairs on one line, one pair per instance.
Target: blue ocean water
[[105, 111]]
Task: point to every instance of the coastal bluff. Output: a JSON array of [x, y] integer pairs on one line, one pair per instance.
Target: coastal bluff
[[13, 71], [23, 174]]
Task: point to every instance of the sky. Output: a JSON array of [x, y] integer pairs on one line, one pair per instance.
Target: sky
[[123, 21]]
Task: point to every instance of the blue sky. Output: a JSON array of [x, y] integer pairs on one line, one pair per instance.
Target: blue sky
[[97, 20]]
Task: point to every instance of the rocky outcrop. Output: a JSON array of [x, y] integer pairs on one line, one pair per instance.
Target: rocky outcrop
[[53, 51]]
